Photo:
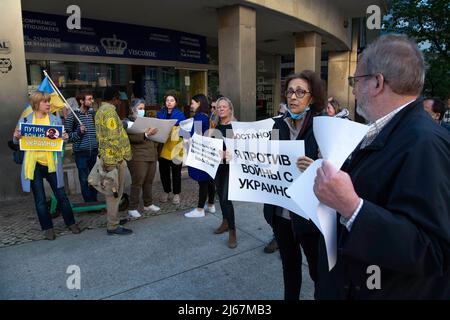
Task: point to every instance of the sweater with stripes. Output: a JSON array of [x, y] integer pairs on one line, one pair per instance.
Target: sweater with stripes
[[86, 141]]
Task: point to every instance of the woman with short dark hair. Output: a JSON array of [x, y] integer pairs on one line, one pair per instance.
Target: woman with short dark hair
[[305, 97]]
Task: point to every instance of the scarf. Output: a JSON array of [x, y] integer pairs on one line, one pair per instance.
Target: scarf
[[31, 157]]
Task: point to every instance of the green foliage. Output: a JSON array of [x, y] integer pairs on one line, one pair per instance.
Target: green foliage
[[428, 22]]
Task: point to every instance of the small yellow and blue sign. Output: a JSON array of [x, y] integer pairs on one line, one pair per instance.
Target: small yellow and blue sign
[[36, 137]]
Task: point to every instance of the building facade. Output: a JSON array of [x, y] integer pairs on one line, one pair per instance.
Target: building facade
[[239, 48]]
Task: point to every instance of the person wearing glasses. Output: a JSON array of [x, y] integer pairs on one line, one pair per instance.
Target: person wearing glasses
[[392, 199], [306, 99], [85, 145]]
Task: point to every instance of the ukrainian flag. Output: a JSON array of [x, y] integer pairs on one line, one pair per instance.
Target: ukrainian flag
[[56, 102]]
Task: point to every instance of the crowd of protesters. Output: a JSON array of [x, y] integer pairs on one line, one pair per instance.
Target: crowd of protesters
[[392, 195]]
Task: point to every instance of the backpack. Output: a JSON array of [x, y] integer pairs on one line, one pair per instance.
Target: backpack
[[18, 155]]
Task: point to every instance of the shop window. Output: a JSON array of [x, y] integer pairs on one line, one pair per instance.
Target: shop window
[[265, 86]]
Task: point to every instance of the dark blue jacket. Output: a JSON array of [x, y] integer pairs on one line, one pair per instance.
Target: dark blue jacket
[[176, 114], [194, 173], [404, 225], [446, 126]]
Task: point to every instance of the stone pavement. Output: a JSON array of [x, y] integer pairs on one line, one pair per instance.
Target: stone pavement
[[167, 257], [19, 222]]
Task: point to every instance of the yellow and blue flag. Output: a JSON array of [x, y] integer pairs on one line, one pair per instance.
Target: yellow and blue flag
[[56, 103]]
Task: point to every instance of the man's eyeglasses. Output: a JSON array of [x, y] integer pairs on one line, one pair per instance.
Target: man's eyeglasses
[[299, 93], [352, 80]]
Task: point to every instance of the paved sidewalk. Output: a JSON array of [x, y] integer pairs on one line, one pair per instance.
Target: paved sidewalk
[[167, 257], [19, 223]]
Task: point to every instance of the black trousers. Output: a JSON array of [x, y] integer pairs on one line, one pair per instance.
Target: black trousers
[[206, 189], [165, 168], [222, 191], [291, 256]]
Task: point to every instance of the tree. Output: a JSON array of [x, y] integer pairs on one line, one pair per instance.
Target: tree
[[428, 22]]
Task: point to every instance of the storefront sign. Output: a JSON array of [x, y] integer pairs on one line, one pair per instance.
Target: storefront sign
[[5, 46], [48, 33], [5, 65]]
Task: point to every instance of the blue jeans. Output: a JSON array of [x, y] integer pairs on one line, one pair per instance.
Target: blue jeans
[[40, 201], [85, 161]]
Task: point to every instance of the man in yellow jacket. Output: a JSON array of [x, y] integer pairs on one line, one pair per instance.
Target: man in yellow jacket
[[113, 149]]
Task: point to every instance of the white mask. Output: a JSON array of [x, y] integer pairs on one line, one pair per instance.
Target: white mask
[[141, 113]]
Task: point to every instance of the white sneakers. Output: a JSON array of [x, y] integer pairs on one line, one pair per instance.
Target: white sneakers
[[152, 208], [195, 213], [176, 199], [134, 213], [211, 209]]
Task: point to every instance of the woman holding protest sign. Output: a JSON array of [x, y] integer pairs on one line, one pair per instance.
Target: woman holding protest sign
[[171, 155], [38, 165], [143, 163], [200, 107], [305, 97], [224, 129]]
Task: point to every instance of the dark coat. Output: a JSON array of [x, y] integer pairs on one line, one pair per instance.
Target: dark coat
[[300, 225], [403, 176], [194, 173], [142, 149]]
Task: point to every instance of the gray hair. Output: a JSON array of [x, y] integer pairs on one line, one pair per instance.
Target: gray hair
[[230, 104], [400, 61], [135, 102], [133, 105]]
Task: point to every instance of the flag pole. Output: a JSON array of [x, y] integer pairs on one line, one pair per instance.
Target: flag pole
[[61, 96]]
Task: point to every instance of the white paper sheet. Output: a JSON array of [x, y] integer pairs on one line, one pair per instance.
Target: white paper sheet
[[261, 180], [327, 219], [204, 154], [164, 127], [253, 130], [336, 138], [187, 124]]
